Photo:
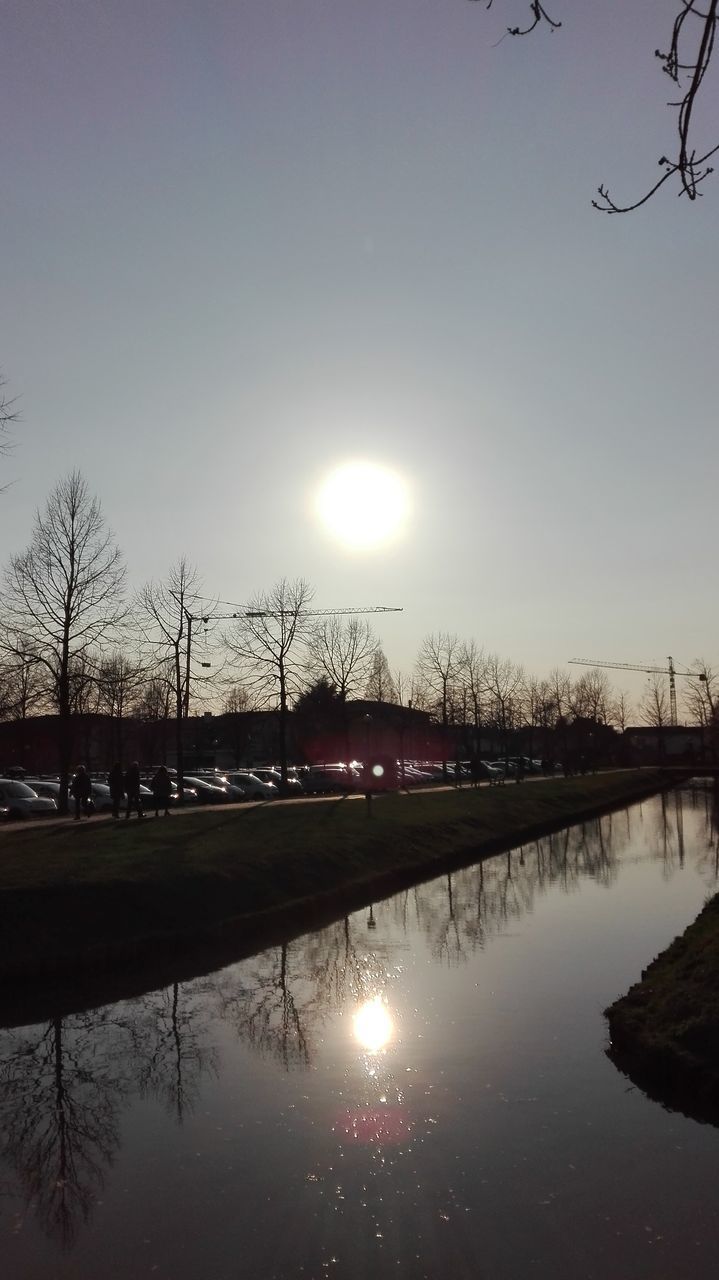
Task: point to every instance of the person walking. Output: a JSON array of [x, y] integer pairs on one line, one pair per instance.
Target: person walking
[[81, 790], [116, 783], [161, 790], [132, 789]]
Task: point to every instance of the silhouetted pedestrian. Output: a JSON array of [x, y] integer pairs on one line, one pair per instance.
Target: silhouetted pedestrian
[[81, 790], [116, 783], [161, 790], [132, 788]]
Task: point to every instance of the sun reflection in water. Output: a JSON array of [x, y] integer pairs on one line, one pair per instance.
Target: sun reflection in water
[[372, 1025]]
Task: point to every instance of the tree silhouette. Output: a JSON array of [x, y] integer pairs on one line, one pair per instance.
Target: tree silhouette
[[63, 597]]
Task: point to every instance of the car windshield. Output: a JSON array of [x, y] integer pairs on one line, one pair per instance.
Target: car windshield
[[18, 790]]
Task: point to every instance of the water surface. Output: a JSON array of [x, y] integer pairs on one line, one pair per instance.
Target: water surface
[[419, 1090]]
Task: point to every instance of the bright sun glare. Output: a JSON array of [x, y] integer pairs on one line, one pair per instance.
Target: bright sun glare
[[373, 1025], [363, 504]]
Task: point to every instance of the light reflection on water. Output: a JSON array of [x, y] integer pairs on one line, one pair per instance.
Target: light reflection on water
[[421, 1092]]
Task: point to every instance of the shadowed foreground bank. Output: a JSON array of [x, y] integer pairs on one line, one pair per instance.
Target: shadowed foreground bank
[[665, 1030], [77, 899]]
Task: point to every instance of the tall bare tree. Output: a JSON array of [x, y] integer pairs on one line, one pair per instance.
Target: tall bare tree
[[620, 710], [438, 664], [590, 695], [701, 699], [472, 664], [343, 650], [119, 678], [164, 610], [654, 708], [505, 689], [269, 642], [63, 597], [380, 686]]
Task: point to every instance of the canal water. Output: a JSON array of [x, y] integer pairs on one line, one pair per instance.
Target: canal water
[[418, 1090]]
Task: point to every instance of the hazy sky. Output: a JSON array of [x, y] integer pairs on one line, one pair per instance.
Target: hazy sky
[[245, 241]]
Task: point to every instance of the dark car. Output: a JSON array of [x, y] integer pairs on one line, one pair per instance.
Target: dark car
[[331, 778], [209, 792], [21, 801]]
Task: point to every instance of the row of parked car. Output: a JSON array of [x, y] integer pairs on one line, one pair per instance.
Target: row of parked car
[[35, 797]]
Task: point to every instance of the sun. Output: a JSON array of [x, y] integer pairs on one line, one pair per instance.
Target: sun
[[373, 1025], [363, 505]]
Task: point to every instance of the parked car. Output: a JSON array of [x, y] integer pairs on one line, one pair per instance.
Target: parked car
[[415, 777], [208, 792], [189, 793], [22, 802], [101, 797], [294, 786], [254, 788], [331, 778], [506, 767], [490, 771]]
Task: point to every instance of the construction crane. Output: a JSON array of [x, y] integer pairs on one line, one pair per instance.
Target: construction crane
[[241, 612], [669, 670]]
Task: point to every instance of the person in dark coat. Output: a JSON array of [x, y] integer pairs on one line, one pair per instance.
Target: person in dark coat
[[116, 783], [81, 790], [132, 788], [161, 790]]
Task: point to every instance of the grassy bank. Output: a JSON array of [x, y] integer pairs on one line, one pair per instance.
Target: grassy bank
[[665, 1030], [87, 895]]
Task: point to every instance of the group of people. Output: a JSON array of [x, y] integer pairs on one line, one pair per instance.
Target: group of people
[[124, 785]]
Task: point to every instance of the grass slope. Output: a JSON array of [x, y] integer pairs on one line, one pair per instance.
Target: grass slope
[[665, 1030], [70, 895]]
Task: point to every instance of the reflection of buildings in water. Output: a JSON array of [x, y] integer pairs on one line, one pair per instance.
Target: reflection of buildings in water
[[62, 1086]]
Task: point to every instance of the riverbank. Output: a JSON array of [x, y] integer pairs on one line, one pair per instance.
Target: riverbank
[[82, 897], [665, 1030]]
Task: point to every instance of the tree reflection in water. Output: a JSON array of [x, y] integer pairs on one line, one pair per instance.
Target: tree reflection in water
[[63, 1085], [60, 1097]]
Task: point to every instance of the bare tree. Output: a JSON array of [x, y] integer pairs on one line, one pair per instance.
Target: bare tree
[[269, 642], [22, 689], [560, 687], [8, 415], [654, 708], [119, 678], [63, 597], [380, 685], [701, 696], [438, 665], [685, 59], [343, 650], [164, 610], [590, 696], [472, 663], [236, 701], [505, 689], [620, 711]]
